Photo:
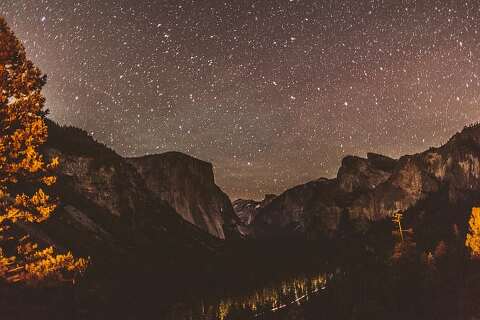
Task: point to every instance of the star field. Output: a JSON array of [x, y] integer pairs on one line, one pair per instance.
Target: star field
[[273, 93]]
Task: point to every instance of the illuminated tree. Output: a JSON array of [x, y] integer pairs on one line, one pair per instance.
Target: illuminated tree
[[473, 237], [24, 174], [397, 219]]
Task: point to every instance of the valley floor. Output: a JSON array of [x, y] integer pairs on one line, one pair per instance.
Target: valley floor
[[363, 285]]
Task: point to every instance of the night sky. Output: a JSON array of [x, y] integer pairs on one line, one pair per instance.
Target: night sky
[[273, 93]]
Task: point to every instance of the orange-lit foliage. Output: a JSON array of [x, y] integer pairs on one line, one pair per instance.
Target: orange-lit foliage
[[473, 237], [24, 173]]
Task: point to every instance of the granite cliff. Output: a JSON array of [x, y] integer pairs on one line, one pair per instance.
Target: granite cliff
[[444, 179], [188, 185], [112, 205]]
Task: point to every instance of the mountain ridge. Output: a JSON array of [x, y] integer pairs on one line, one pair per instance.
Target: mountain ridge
[[106, 202], [375, 187]]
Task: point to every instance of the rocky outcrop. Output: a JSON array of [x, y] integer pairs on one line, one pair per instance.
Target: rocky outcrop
[[188, 185], [375, 187]]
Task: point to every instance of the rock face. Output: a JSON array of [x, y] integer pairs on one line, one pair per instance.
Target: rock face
[[188, 185], [108, 207], [358, 174], [376, 187], [287, 214], [247, 210]]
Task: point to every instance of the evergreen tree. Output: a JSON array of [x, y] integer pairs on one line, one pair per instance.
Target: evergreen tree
[[24, 174]]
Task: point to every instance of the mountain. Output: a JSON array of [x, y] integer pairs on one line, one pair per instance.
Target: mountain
[[188, 185], [247, 210], [109, 205], [440, 184]]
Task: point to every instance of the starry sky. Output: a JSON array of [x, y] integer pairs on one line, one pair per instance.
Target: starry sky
[[273, 93]]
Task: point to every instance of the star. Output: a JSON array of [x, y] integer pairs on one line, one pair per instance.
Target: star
[[273, 93]]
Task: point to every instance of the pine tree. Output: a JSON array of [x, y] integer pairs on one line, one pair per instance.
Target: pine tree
[[473, 237], [24, 174]]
